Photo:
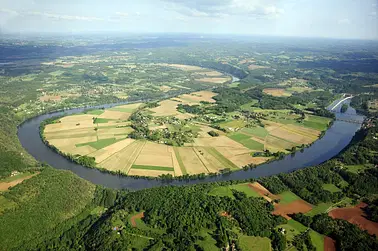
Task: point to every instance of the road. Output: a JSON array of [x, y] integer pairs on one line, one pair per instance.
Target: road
[[340, 102]]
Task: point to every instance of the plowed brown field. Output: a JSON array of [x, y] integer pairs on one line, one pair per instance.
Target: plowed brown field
[[355, 215], [329, 244], [298, 206]]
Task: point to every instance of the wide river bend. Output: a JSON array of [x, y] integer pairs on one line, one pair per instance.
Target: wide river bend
[[337, 137]]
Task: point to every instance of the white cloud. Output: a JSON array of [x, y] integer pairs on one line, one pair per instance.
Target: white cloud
[[225, 8], [122, 14], [343, 21], [66, 17], [9, 11]]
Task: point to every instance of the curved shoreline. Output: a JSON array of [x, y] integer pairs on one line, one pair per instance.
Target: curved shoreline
[[334, 140]]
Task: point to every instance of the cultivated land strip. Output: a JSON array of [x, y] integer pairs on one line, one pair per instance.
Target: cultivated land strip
[[179, 159]]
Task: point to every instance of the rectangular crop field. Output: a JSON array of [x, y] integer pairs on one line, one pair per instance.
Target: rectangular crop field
[[124, 159], [319, 209], [233, 124], [247, 243], [192, 163], [157, 168], [331, 187], [166, 108], [224, 161], [256, 131], [179, 160], [317, 240], [95, 112], [293, 228], [288, 197], [126, 108], [115, 115], [108, 151], [245, 188], [239, 136], [101, 121], [246, 141], [145, 172], [99, 143], [222, 191]]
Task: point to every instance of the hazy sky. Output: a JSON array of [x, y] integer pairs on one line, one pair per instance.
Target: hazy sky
[[308, 18]]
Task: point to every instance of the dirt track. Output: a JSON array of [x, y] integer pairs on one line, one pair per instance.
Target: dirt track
[[263, 191], [6, 185], [137, 216]]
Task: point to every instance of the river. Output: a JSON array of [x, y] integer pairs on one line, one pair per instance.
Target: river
[[337, 137]]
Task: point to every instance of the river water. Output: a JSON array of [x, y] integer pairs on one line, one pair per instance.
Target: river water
[[336, 139]]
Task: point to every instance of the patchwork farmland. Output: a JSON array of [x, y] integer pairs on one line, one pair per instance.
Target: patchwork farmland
[[164, 139]]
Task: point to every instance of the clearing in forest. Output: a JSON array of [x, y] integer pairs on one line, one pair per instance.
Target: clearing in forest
[[134, 218], [254, 243], [262, 191], [277, 92], [297, 206], [214, 80], [15, 180]]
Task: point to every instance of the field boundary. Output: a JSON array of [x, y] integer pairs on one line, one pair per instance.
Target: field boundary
[[137, 155], [223, 160], [181, 163], [157, 168]]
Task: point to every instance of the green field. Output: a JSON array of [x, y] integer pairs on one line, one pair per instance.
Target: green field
[[317, 240], [251, 144], [226, 191], [138, 242], [256, 131], [141, 225], [249, 106], [157, 168], [316, 122], [319, 209], [179, 160], [293, 228], [95, 112], [207, 243], [245, 189], [238, 136], [287, 197], [223, 191], [355, 168], [331, 187], [101, 120], [101, 143], [233, 124], [248, 243], [246, 141]]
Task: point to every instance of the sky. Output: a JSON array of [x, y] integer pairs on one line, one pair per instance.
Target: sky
[[355, 19]]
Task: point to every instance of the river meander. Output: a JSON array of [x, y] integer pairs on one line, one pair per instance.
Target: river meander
[[337, 137]]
